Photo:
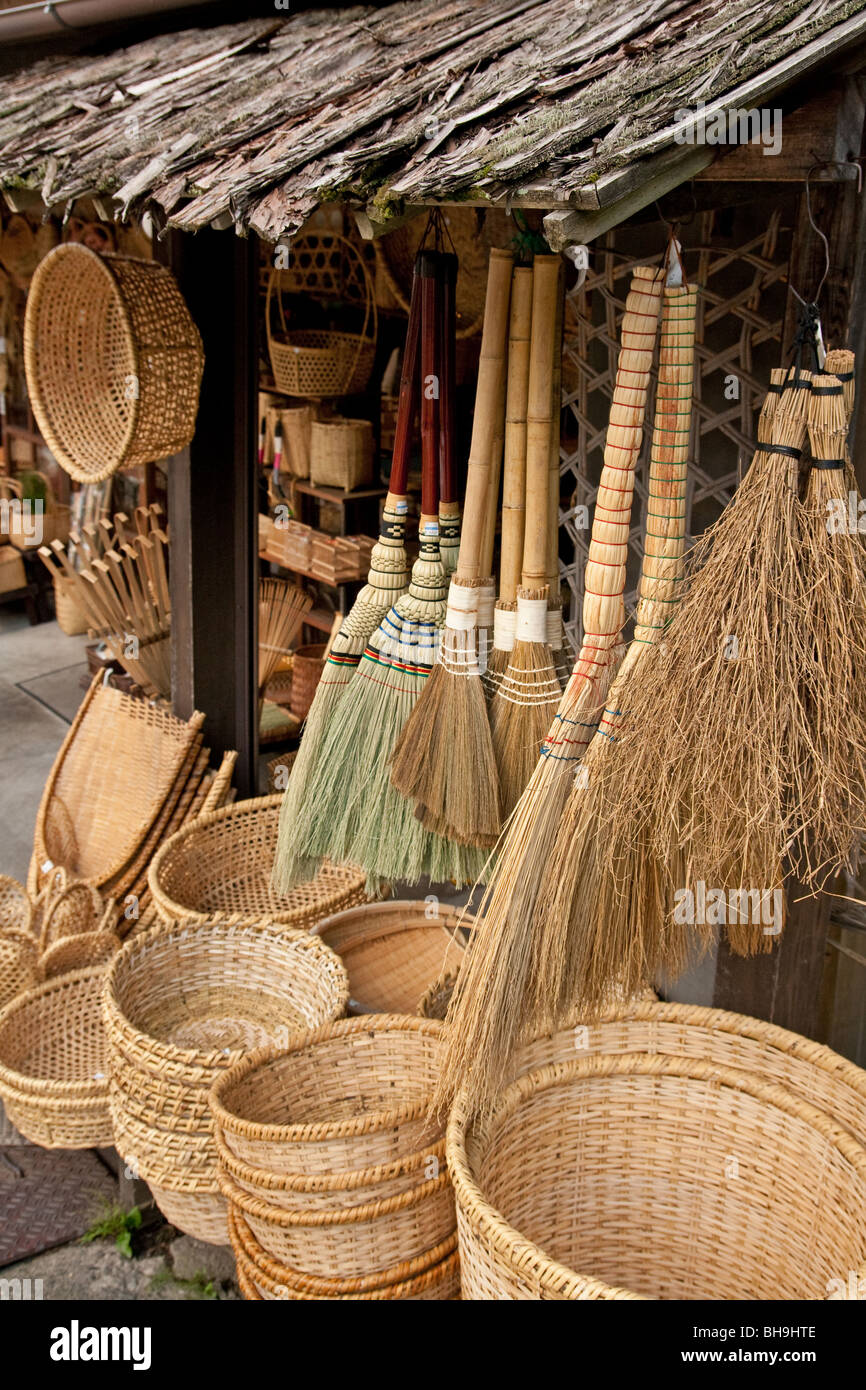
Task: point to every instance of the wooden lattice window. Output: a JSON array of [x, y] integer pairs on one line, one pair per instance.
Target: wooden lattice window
[[739, 258]]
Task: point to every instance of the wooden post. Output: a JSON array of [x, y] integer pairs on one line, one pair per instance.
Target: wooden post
[[212, 503]]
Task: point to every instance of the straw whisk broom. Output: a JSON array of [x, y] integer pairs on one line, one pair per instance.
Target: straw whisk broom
[[281, 610], [529, 692], [387, 579], [443, 760], [830, 786], [482, 1025], [513, 477]]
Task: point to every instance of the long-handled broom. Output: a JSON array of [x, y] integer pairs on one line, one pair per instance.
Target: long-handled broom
[[529, 692], [443, 761], [480, 1022], [386, 580], [561, 652], [513, 477]]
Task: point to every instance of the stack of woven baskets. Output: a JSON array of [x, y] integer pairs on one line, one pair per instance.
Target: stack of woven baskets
[[698, 1155], [183, 1002], [334, 1174]]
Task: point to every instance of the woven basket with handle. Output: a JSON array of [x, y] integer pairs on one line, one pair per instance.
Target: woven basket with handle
[[314, 362], [652, 1207], [113, 361]]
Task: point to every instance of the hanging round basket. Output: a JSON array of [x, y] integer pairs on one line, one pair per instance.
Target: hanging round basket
[[113, 361]]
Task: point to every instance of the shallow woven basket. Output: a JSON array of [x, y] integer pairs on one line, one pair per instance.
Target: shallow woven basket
[[113, 361], [53, 1069], [307, 669], [354, 1094], [78, 952], [260, 1277], [669, 1177], [394, 951], [182, 1002], [341, 453], [350, 1240], [222, 863]]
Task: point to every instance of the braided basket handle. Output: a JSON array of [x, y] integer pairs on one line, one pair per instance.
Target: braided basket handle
[[347, 250]]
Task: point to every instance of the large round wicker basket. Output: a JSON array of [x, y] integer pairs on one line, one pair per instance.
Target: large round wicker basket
[[670, 1177], [222, 863], [113, 361]]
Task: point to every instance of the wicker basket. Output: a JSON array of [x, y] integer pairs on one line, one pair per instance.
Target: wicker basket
[[54, 516], [113, 361], [53, 1070], [341, 453], [260, 1277], [322, 363], [78, 953], [182, 1002], [19, 963], [353, 1095], [307, 669], [394, 951], [296, 422], [70, 615], [350, 1240], [16, 909], [671, 1177], [222, 863]]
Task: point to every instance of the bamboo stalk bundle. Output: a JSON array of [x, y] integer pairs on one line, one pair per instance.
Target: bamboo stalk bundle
[[386, 581], [830, 790], [443, 760], [699, 791], [529, 692], [514, 477], [500, 956], [281, 610]]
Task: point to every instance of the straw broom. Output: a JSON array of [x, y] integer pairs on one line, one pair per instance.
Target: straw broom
[[386, 580], [830, 772], [443, 760], [481, 1024], [449, 506], [699, 790], [514, 477], [529, 692], [352, 813]]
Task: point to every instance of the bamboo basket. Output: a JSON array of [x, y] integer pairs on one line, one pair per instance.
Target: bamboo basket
[[183, 1002], [16, 909], [70, 615], [296, 422], [353, 1240], [354, 1094], [655, 1209], [260, 1277], [19, 964], [53, 1069], [113, 361], [322, 363], [78, 953], [307, 668], [222, 863], [393, 952], [341, 453], [109, 780]]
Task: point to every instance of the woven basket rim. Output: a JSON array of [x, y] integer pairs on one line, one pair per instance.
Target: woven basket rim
[[509, 1242], [332, 1216], [249, 1253], [405, 1272], [322, 1130], [325, 1182], [35, 1087], [165, 931]]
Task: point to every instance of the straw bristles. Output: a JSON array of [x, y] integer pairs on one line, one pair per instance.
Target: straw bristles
[[281, 607], [443, 760], [386, 581], [525, 702]]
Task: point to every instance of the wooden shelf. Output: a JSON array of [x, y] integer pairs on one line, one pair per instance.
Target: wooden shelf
[[336, 494], [308, 574]]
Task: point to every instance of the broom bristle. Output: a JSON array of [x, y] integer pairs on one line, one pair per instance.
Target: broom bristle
[[504, 617], [521, 711]]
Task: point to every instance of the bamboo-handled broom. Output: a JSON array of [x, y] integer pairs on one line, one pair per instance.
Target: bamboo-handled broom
[[561, 652], [513, 478], [479, 1035], [449, 505], [443, 760], [386, 580], [529, 692]]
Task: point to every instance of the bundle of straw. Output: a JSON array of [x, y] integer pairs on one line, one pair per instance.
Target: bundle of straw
[[700, 789], [443, 760], [830, 771], [529, 692], [513, 478], [449, 506], [386, 580], [281, 610], [481, 1023]]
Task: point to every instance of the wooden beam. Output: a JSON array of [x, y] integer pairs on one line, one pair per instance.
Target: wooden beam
[[576, 228], [212, 503]]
